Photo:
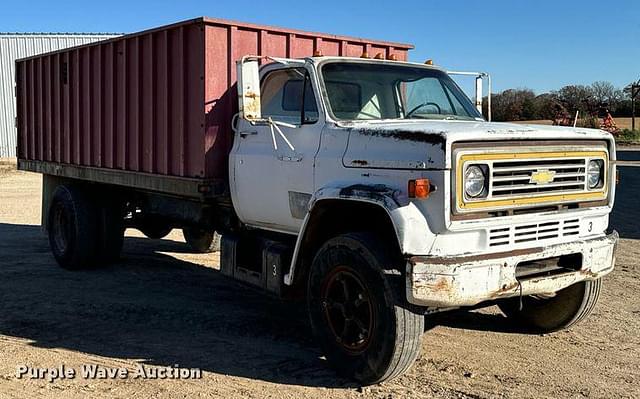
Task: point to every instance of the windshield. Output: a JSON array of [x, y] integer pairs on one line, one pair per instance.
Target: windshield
[[365, 91]]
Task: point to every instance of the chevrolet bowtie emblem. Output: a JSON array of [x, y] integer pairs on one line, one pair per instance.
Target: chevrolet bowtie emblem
[[542, 176]]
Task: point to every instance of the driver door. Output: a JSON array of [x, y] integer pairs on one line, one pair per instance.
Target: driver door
[[272, 166]]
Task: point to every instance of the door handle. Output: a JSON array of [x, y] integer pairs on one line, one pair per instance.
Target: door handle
[[248, 133], [295, 158]]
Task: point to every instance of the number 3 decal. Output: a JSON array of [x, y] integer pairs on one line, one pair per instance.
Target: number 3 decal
[[590, 226]]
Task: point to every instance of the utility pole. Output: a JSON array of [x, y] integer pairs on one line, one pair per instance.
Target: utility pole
[[634, 92]]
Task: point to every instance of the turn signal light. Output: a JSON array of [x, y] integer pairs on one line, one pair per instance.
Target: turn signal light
[[420, 188]]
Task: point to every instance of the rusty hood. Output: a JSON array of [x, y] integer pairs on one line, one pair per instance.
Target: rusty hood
[[420, 144]]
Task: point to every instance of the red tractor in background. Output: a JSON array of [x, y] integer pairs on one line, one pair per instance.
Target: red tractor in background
[[608, 123], [597, 116]]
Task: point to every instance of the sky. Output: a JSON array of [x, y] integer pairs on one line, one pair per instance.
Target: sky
[[542, 45]]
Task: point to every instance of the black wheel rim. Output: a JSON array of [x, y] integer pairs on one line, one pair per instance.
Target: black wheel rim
[[348, 309], [61, 229]]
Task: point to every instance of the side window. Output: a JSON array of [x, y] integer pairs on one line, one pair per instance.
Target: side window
[[345, 98], [283, 92]]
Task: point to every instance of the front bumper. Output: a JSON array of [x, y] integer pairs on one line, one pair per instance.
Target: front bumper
[[468, 280]]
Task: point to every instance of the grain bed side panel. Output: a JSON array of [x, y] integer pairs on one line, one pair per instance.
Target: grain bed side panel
[[133, 103], [156, 102]]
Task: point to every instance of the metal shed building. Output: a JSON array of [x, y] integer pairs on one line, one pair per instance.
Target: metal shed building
[[19, 45]]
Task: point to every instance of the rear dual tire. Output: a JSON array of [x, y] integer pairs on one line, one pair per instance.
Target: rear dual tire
[[155, 229], [358, 313], [202, 241], [83, 232]]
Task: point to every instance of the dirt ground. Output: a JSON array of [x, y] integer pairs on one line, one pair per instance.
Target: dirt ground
[[161, 306]]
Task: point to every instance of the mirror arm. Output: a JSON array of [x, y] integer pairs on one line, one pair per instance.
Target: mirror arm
[[304, 92], [273, 125], [304, 89]]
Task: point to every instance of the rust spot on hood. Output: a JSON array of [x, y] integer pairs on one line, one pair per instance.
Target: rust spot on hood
[[360, 162], [417, 136]]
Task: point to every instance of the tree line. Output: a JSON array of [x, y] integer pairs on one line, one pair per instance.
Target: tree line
[[523, 104]]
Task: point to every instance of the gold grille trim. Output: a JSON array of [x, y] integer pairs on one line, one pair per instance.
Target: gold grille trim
[[526, 179]]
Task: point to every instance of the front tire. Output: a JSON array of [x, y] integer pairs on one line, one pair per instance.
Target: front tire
[[568, 307], [358, 312]]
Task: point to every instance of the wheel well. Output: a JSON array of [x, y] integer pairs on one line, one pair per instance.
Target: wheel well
[[330, 218]]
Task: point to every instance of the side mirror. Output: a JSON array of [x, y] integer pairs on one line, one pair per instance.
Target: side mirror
[[479, 94], [249, 88]]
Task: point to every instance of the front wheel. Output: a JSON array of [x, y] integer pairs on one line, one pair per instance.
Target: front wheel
[[566, 308], [358, 313]]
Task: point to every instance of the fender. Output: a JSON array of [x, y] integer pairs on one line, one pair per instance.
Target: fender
[[410, 225]]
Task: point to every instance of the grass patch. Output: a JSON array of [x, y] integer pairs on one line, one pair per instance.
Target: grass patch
[[628, 136], [7, 165]]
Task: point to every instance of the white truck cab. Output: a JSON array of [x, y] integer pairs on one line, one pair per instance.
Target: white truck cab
[[390, 163]]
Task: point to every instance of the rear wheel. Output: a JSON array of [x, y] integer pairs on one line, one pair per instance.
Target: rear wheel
[[358, 313], [548, 314], [154, 229], [72, 225], [201, 241]]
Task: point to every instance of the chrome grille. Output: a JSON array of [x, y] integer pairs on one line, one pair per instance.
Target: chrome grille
[[532, 177], [525, 233], [514, 178]]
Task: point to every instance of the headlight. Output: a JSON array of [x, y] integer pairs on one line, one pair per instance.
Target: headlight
[[474, 181], [594, 173]]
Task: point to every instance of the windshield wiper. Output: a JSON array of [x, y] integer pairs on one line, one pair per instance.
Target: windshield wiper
[[441, 118], [457, 118], [417, 116]]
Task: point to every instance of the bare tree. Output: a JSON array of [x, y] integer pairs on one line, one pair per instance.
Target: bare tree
[[547, 106], [523, 104], [575, 97], [605, 93], [513, 105]]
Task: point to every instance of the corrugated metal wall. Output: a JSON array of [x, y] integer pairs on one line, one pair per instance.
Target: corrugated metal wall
[[12, 47]]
